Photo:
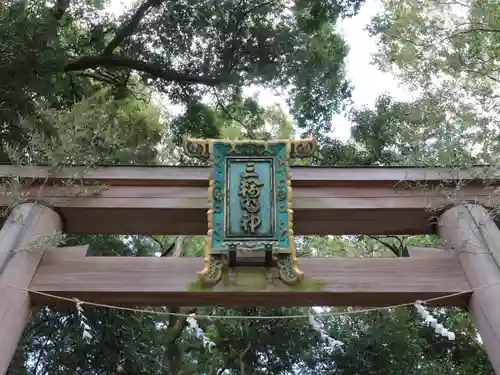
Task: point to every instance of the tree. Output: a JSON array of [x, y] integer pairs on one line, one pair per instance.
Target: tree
[[88, 68], [448, 52], [187, 49], [421, 133], [436, 42]]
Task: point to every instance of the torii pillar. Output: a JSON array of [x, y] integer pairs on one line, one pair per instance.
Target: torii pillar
[[471, 233], [18, 263]]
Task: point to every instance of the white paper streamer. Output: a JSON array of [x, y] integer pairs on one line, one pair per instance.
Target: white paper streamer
[[332, 344], [193, 325], [432, 321]]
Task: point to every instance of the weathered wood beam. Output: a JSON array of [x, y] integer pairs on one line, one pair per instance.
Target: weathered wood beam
[[150, 281], [430, 252], [197, 176], [365, 209], [173, 200]]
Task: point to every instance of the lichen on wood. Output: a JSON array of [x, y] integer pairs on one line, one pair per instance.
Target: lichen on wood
[[246, 279]]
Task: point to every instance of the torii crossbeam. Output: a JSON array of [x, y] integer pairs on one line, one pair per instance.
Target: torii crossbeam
[[172, 200]]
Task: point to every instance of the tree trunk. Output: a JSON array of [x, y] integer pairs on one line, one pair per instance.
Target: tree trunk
[[180, 246]]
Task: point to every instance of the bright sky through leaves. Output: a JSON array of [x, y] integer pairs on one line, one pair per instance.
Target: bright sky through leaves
[[368, 81]]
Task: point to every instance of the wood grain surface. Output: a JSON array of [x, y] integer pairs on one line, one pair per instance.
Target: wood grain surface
[[197, 176], [150, 281], [173, 200]]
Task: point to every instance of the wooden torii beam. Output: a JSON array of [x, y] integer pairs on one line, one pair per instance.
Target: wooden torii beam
[[327, 201], [172, 200], [153, 281]]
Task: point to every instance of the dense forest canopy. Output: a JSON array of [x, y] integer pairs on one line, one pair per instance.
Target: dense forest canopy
[[81, 84]]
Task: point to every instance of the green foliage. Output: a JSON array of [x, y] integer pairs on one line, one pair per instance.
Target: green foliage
[[396, 342], [97, 130], [184, 49], [419, 133], [242, 118], [448, 51], [456, 42]]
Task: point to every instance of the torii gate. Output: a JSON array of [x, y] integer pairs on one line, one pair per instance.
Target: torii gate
[[172, 200]]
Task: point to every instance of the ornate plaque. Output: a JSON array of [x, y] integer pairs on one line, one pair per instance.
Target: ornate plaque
[[250, 203]]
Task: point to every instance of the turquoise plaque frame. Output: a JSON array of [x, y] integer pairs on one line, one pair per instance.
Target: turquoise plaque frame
[[250, 201]]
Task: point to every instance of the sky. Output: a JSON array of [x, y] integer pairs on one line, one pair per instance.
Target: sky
[[368, 81]]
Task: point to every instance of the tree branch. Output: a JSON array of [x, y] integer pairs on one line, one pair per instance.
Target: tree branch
[[97, 77], [469, 31], [42, 350], [128, 28], [49, 319], [226, 111], [478, 72], [60, 8], [165, 249], [179, 246], [155, 70], [398, 252], [257, 6], [176, 325], [242, 357]]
